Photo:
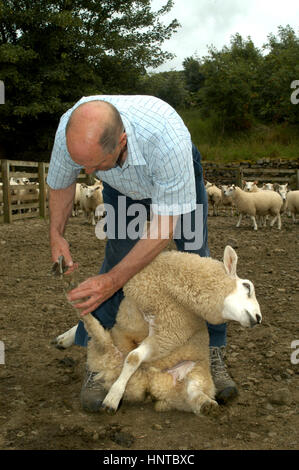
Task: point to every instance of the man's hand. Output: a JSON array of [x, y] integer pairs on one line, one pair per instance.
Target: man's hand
[[60, 247], [92, 293]]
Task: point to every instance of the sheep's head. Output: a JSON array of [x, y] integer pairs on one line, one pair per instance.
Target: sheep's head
[[241, 305], [283, 190]]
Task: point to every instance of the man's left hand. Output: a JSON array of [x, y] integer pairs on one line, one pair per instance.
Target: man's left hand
[[91, 293]]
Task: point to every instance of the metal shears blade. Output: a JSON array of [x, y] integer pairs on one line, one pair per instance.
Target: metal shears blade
[[59, 267]]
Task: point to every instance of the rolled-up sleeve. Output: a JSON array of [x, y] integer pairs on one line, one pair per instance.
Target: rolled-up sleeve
[[62, 170], [173, 181]]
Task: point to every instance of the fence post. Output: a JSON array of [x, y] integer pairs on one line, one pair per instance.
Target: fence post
[[42, 190], [239, 177], [6, 191], [297, 179]]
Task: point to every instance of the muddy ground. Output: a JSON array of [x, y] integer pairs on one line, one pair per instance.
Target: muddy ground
[[40, 385]]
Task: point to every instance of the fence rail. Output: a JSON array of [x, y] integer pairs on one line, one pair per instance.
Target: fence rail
[[24, 201]]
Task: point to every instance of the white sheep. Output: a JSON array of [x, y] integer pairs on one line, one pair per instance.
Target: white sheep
[[76, 204], [251, 186], [268, 187], [90, 198], [293, 203], [282, 190], [227, 201], [214, 196], [259, 203], [159, 345]]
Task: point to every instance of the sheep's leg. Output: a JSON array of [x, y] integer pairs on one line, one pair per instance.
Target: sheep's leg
[[239, 220], [144, 352], [254, 222], [278, 218], [201, 402], [65, 340]]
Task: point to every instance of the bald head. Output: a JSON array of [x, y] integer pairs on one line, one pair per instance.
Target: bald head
[[93, 132]]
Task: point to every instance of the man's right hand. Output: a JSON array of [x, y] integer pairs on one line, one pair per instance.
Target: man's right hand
[[60, 247]]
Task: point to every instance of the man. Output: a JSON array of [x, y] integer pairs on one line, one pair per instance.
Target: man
[[140, 148]]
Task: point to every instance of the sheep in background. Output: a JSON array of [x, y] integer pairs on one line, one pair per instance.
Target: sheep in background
[[293, 204], [90, 198], [164, 312], [282, 190], [251, 186], [76, 205], [268, 187], [227, 201], [214, 196], [259, 203]]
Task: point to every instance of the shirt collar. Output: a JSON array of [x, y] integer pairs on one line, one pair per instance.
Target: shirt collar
[[134, 156]]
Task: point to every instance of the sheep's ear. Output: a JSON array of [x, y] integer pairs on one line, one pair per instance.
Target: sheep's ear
[[230, 260]]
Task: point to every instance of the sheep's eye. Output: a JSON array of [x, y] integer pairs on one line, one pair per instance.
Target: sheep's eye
[[248, 286]]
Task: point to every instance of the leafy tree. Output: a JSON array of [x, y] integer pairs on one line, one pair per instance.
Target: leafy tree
[[230, 88], [278, 70], [169, 86], [52, 53]]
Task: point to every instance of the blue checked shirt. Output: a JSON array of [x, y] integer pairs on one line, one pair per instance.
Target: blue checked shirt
[[159, 163]]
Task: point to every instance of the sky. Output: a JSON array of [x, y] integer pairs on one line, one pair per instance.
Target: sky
[[214, 22]]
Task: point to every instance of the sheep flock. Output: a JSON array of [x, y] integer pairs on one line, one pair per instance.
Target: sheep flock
[[257, 202]]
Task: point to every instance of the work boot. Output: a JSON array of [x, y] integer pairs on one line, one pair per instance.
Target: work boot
[[226, 388], [92, 393]]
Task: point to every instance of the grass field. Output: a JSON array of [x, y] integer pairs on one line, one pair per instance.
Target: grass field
[[262, 141]]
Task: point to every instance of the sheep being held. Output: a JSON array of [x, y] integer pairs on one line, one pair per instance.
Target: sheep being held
[[159, 345]]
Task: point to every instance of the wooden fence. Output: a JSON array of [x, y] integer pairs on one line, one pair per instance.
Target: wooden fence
[[33, 202], [219, 174]]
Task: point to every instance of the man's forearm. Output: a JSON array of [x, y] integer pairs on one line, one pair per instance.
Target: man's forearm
[[60, 206], [143, 252]]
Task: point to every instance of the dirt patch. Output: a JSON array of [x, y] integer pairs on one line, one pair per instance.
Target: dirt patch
[[40, 385]]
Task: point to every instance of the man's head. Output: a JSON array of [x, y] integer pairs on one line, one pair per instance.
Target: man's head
[[95, 136]]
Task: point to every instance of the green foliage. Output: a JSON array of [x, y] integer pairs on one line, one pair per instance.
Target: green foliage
[[168, 86], [52, 53], [260, 141]]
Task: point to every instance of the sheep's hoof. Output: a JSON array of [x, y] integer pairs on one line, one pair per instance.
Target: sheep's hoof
[[109, 410], [209, 408], [57, 344]]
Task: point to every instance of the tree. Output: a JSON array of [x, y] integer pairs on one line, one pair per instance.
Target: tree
[[52, 53], [279, 69], [231, 83], [169, 86]]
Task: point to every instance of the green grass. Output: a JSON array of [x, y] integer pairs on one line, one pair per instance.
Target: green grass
[[262, 141]]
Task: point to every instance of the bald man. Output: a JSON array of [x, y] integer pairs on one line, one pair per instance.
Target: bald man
[[142, 151]]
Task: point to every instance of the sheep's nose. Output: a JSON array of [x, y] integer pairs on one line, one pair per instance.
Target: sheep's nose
[[258, 318]]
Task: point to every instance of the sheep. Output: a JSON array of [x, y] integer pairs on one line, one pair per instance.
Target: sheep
[[282, 190], [164, 312], [293, 203], [214, 196], [259, 203], [226, 200], [251, 186], [90, 198], [268, 187], [76, 205]]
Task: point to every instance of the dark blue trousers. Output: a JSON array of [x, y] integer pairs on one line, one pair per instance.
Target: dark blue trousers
[[117, 249]]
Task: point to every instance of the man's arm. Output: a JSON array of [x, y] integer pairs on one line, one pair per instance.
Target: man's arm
[[60, 206], [100, 288]]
